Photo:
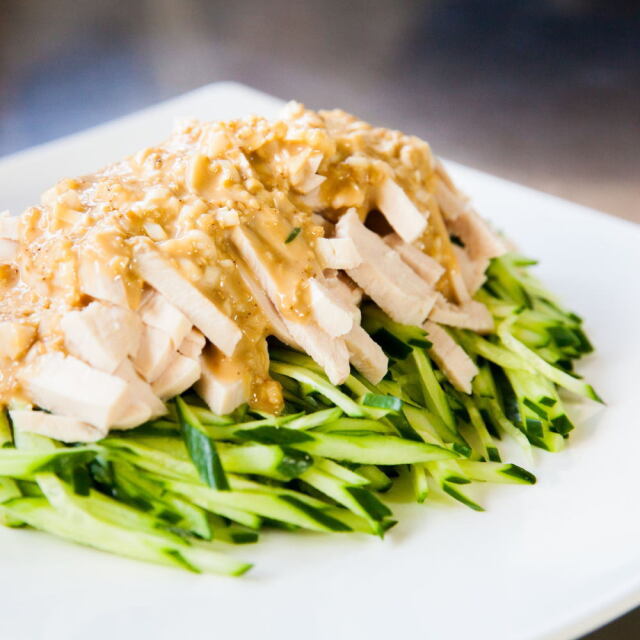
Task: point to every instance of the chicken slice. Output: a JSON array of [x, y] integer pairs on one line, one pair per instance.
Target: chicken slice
[[278, 327], [479, 240], [331, 314], [330, 353], [97, 280], [221, 386], [451, 203], [344, 287], [204, 314], [67, 386], [470, 315], [429, 269], [62, 428], [102, 335], [156, 311], [337, 253], [303, 172], [473, 271], [366, 355], [347, 296], [193, 344], [450, 357], [154, 353], [139, 392], [182, 373], [384, 276], [399, 211], [15, 339], [134, 414]]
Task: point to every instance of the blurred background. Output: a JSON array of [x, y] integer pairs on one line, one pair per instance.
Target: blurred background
[[543, 92]]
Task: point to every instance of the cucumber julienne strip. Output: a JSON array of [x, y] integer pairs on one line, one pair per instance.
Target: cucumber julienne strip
[[202, 448], [552, 373], [160, 492]]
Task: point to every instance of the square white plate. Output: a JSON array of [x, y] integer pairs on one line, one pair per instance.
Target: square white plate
[[549, 561]]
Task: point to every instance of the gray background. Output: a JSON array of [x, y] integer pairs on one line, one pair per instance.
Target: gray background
[[546, 93]]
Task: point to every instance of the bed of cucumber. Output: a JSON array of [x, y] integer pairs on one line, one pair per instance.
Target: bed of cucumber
[[179, 490]]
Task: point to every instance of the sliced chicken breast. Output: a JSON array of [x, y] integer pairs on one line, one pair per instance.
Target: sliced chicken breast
[[337, 253], [62, 428], [156, 311], [102, 335], [403, 216], [384, 276], [165, 278], [425, 266], [469, 315], [182, 373], [67, 386], [450, 357]]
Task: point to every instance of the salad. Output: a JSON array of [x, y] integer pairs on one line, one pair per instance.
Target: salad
[[263, 325]]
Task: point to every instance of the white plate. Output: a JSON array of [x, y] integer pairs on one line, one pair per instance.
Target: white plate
[[550, 561]]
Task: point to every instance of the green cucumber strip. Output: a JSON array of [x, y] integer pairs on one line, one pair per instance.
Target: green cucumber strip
[[160, 456], [374, 319], [442, 475], [357, 523], [282, 436], [87, 528], [321, 385], [405, 429], [358, 500], [392, 346], [278, 462], [476, 344], [424, 421], [151, 459], [315, 419], [434, 396], [207, 417], [460, 496], [554, 374], [232, 533], [378, 480], [295, 357], [354, 424], [484, 437], [502, 270], [240, 516], [380, 401], [8, 491], [212, 561], [6, 434], [60, 496], [140, 486], [498, 308], [89, 531], [284, 508], [342, 473], [240, 483], [202, 448], [496, 472], [373, 449], [17, 463], [419, 482]]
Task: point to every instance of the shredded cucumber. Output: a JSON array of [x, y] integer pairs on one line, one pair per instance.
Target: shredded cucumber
[[180, 490]]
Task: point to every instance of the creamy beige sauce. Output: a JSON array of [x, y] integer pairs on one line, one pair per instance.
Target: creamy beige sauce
[[187, 194]]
